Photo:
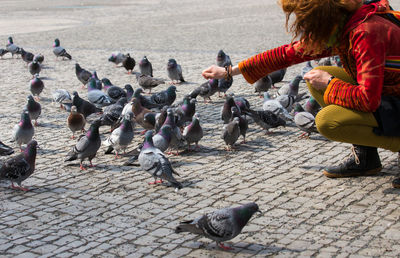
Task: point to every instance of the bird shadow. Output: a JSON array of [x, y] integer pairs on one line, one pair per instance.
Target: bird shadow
[[48, 125], [45, 78]]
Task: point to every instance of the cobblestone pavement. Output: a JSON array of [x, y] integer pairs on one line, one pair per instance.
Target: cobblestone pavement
[[110, 210]]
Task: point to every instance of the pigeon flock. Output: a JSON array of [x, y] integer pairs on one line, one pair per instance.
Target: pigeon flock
[[169, 125]]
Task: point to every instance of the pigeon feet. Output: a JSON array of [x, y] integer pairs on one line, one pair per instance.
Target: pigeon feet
[[156, 182], [304, 135], [19, 187], [82, 167], [226, 248], [143, 132]]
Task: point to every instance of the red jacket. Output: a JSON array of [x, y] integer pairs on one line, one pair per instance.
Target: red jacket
[[370, 53]]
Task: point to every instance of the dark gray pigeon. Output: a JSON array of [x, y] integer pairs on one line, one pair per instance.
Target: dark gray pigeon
[[223, 59], [59, 51], [145, 67], [226, 112], [231, 133], [87, 146], [220, 225], [147, 82], [224, 85], [36, 86], [34, 109], [177, 138], [266, 119], [153, 161], [193, 132], [277, 76], [34, 68], [5, 150], [121, 137], [292, 88], [84, 107], [263, 85], [26, 56], [146, 101], [174, 71], [82, 74], [110, 114], [115, 93], [128, 63], [20, 167], [243, 123], [94, 82], [206, 90], [185, 111]]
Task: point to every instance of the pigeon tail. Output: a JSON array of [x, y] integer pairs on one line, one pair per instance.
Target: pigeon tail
[[187, 226]]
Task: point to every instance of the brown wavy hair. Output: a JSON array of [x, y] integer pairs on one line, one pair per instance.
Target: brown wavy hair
[[315, 21]]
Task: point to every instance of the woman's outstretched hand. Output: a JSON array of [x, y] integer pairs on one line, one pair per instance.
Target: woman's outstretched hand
[[318, 78], [214, 72]]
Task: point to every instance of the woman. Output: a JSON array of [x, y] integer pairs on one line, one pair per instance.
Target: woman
[[367, 39]]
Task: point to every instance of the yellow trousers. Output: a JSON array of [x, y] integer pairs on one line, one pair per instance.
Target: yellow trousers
[[341, 124]]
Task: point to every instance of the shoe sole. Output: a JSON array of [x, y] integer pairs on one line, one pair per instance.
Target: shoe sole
[[355, 174]]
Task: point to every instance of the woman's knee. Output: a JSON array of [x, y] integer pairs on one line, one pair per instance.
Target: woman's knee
[[326, 123]]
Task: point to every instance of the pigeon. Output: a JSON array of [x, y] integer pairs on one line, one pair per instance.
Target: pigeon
[[147, 82], [110, 114], [223, 59], [139, 114], [306, 69], [231, 133], [59, 50], [94, 82], [84, 107], [193, 132], [176, 132], [129, 91], [220, 225], [116, 58], [27, 56], [206, 90], [163, 138], [82, 74], [266, 119], [145, 101], [121, 137], [128, 63], [34, 109], [63, 97], [153, 161], [3, 52], [275, 107], [277, 76], [174, 71], [226, 112], [224, 85], [263, 85], [98, 98], [185, 111], [34, 68], [336, 61], [36, 86], [12, 48], [23, 131], [305, 121], [5, 150], [75, 121], [115, 93], [20, 167], [312, 106], [87, 146], [106, 83], [166, 97], [243, 123], [292, 88], [39, 58], [145, 67]]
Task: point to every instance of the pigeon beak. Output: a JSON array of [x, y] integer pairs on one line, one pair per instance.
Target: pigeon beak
[[260, 212], [38, 147]]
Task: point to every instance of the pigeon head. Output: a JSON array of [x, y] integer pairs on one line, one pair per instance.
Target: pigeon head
[[25, 119], [75, 93], [56, 43], [129, 91], [242, 214], [221, 55], [10, 40], [93, 131], [144, 61], [137, 92], [148, 140], [74, 109], [230, 101], [171, 63], [106, 82], [171, 89], [30, 153], [235, 111], [30, 98], [112, 58]]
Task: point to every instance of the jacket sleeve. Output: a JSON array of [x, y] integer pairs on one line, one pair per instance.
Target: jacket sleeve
[[368, 50], [271, 60]]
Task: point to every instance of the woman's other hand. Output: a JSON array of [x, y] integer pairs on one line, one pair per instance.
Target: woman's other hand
[[318, 79], [214, 72]]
